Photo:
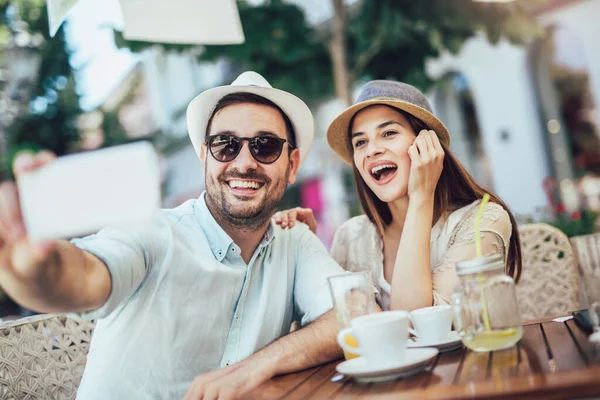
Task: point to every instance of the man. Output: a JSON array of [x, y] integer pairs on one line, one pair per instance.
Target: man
[[211, 285]]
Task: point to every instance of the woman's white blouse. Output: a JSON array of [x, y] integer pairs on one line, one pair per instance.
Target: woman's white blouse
[[358, 246]]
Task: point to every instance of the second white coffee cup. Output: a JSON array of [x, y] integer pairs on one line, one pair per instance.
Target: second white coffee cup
[[433, 324], [381, 337]]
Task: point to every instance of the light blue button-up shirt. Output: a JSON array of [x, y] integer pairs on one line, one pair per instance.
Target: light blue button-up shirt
[[184, 302]]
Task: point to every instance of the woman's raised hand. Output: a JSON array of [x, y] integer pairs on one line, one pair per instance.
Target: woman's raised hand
[[427, 161]]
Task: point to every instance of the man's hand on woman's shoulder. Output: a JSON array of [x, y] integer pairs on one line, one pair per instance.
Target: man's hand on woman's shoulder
[[288, 218]]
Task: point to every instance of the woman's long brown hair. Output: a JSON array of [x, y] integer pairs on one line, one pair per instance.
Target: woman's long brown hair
[[455, 189]]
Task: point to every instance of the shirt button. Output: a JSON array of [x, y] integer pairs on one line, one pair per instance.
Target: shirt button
[[227, 364], [237, 317]]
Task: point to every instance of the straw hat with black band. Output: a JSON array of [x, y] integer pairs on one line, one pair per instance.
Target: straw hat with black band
[[396, 94], [201, 107]]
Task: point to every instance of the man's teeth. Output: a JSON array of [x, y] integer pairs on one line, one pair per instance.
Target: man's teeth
[[244, 184], [380, 167]]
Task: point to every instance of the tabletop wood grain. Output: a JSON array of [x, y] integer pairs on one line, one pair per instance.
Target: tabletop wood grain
[[553, 360]]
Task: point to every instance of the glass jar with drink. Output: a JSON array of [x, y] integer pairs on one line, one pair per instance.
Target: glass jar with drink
[[486, 312]]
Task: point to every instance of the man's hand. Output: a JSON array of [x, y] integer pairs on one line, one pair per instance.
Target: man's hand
[[311, 345], [21, 260], [48, 277], [229, 383]]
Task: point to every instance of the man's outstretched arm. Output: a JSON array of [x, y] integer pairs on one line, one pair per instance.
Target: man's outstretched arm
[[49, 276]]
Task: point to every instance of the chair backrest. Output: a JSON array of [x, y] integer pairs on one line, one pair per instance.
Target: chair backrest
[[43, 357], [549, 284]]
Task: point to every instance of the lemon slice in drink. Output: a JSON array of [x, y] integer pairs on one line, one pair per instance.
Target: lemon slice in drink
[[350, 341]]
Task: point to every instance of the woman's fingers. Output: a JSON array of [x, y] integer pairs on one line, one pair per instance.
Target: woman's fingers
[[436, 142], [301, 214], [284, 219], [415, 158], [307, 216], [288, 218], [292, 216], [423, 151], [426, 156], [429, 146], [423, 146], [437, 148], [428, 138]]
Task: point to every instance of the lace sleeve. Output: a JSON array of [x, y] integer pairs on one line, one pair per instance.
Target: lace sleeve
[[495, 232], [438, 300]]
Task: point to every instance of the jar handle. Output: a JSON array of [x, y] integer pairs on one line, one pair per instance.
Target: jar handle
[[466, 316]]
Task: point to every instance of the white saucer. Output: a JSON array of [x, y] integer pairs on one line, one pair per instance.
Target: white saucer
[[415, 361], [452, 343]]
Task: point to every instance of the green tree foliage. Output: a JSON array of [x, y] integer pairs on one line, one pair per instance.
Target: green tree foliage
[[114, 133], [385, 39], [49, 113], [280, 44], [392, 39], [581, 222]]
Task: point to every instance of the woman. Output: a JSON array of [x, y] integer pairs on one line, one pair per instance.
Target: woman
[[419, 201]]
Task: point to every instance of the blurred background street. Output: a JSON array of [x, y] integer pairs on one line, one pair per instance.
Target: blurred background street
[[516, 82]]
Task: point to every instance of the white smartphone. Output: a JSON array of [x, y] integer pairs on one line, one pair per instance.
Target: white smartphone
[[79, 194]]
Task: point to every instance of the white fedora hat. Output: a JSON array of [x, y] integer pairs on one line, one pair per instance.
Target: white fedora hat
[[202, 106]]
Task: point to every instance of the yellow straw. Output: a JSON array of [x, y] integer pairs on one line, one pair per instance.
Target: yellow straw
[[484, 201], [486, 318]]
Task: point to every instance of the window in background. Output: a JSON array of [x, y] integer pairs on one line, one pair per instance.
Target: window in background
[[455, 105], [569, 114]]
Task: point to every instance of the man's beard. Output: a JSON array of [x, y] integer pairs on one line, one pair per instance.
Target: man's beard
[[251, 215]]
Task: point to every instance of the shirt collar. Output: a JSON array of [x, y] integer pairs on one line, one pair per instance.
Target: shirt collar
[[218, 240], [269, 234]]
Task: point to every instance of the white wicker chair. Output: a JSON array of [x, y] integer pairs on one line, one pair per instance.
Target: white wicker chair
[[549, 284], [43, 357]]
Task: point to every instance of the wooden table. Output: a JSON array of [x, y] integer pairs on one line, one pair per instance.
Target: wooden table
[[554, 360]]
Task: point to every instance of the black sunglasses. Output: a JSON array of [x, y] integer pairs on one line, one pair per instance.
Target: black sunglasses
[[264, 149]]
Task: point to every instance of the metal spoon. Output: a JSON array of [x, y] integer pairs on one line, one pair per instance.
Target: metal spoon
[[339, 378]]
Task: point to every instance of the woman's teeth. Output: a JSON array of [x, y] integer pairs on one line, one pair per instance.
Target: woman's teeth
[[381, 169]]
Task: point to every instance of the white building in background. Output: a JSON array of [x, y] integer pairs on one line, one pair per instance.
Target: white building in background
[[518, 115], [511, 124], [504, 105], [174, 80], [151, 99], [511, 156]]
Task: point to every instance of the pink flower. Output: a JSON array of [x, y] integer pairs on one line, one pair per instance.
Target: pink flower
[[560, 208], [576, 215]]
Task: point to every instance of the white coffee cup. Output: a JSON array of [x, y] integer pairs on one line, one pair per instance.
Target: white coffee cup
[[381, 337], [433, 324]]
